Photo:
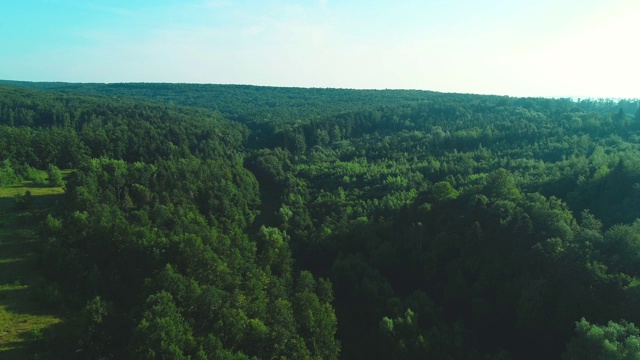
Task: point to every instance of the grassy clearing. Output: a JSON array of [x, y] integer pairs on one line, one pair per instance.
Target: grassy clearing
[[21, 316]]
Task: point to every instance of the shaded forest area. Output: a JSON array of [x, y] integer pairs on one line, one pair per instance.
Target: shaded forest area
[[240, 222]]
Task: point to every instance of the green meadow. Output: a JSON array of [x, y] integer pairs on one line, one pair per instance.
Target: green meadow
[[22, 318]]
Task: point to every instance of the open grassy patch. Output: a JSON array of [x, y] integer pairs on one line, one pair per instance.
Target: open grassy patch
[[22, 317]]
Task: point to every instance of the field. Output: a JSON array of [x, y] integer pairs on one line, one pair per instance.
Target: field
[[22, 319]]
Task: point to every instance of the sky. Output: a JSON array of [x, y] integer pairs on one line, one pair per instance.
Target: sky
[[549, 48]]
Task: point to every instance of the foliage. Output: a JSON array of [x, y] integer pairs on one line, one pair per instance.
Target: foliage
[[210, 221], [8, 175], [55, 176], [614, 341]]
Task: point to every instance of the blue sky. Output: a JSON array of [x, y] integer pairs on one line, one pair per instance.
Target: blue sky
[[553, 48]]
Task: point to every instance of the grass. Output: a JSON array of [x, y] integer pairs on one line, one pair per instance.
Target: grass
[[22, 317]]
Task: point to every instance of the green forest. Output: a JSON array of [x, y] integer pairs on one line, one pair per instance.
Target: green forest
[[186, 221]]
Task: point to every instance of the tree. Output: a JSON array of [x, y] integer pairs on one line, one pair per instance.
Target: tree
[[8, 175], [162, 333], [612, 342], [404, 336], [442, 192], [274, 251], [96, 336], [55, 176], [284, 339], [316, 320], [501, 185]]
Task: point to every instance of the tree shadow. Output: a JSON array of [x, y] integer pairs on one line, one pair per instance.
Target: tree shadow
[[15, 350], [22, 306], [39, 206], [27, 315], [50, 342]]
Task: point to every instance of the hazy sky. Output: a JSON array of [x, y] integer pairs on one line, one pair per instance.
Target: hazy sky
[[582, 48]]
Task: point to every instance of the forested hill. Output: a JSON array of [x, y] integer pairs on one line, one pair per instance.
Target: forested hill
[[262, 103], [227, 221]]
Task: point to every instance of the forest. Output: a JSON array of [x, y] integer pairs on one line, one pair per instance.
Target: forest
[[245, 222]]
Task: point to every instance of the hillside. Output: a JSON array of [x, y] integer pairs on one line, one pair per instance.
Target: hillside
[[228, 221]]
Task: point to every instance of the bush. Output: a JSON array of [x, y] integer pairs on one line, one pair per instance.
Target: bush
[[37, 176], [55, 176], [7, 174]]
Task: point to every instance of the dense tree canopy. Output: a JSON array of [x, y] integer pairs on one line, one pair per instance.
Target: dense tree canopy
[[239, 222]]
